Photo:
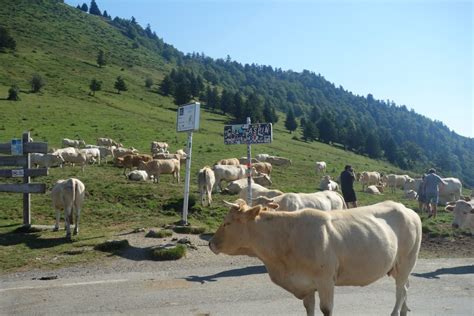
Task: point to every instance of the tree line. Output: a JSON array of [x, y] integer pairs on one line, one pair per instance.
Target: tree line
[[315, 108]]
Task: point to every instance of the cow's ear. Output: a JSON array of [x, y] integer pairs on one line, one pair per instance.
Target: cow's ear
[[253, 212], [273, 205], [449, 208]]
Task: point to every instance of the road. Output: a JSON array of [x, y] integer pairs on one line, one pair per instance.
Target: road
[[437, 287]]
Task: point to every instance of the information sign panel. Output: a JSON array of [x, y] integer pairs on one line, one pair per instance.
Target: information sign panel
[[248, 134], [188, 117], [16, 147]]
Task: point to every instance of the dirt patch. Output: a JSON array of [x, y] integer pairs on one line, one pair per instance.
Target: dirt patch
[[461, 246]]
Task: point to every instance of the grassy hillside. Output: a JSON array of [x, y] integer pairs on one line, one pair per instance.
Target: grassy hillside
[[61, 44]]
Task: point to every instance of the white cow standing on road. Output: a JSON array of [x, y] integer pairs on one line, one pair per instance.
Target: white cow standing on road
[[68, 195], [310, 250]]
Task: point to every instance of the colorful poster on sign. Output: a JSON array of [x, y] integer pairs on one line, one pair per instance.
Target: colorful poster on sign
[[248, 134], [188, 117], [17, 147]]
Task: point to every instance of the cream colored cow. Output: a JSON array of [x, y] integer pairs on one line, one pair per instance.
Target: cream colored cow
[[311, 250]]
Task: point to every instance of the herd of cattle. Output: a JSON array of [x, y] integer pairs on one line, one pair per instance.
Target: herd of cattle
[[308, 241]]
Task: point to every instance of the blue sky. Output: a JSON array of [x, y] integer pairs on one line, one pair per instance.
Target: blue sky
[[417, 53]]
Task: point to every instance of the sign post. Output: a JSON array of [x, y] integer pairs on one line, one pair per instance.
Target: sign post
[[248, 134], [187, 121], [20, 150]]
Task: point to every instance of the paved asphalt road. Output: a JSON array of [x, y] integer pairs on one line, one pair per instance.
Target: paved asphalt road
[[438, 287]]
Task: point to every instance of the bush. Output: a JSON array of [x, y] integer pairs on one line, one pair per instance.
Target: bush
[[174, 253], [159, 234], [13, 94], [6, 41], [36, 82], [195, 230]]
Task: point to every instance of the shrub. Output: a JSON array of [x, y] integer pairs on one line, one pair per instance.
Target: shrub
[[36, 82], [159, 234], [173, 253], [13, 93], [195, 230]]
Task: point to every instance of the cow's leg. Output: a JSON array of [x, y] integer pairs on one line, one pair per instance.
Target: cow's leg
[[67, 211], [401, 307], [56, 226], [209, 196], [309, 303], [326, 297], [78, 215]]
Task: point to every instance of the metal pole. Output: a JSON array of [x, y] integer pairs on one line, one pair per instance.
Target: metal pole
[[26, 179], [249, 168], [184, 218]]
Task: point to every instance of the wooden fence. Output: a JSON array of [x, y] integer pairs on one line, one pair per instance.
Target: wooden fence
[[19, 152]]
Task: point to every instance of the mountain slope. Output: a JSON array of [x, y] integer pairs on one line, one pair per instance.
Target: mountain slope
[[61, 43]]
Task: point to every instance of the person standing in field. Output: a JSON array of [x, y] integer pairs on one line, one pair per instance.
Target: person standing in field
[[347, 186], [432, 182]]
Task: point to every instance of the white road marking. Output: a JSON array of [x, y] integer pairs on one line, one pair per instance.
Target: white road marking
[[63, 285]]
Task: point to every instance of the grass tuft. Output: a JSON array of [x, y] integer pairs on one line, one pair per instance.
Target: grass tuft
[[163, 254], [159, 234], [112, 245]]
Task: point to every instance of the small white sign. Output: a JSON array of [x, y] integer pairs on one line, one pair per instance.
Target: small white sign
[[17, 147], [188, 117], [18, 173]]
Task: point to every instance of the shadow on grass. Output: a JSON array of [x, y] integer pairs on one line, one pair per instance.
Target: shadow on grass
[[10, 225], [31, 240], [454, 270], [226, 274]]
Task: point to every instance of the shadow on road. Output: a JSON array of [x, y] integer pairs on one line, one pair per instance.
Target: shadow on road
[[453, 270], [228, 273]]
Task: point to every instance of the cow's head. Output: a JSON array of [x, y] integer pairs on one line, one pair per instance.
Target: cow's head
[[233, 237], [462, 210], [263, 180]]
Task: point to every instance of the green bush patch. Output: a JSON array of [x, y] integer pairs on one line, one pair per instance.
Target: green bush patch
[[159, 234], [196, 230], [173, 253], [112, 245]]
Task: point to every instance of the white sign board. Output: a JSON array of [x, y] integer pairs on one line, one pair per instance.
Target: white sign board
[[17, 147], [188, 117], [18, 173]]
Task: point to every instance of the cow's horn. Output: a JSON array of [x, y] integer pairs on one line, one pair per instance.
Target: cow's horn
[[231, 204]]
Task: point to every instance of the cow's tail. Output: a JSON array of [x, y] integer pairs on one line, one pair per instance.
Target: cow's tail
[[73, 204]]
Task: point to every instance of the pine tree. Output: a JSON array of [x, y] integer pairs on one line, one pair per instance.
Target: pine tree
[[94, 9], [310, 131], [78, 7], [290, 122], [182, 93], [327, 129], [106, 15], [372, 146], [167, 86], [227, 101], [84, 7], [120, 85], [269, 113], [238, 105], [213, 100], [95, 85], [101, 59], [253, 108]]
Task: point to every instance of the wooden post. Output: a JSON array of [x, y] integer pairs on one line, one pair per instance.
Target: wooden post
[[26, 179]]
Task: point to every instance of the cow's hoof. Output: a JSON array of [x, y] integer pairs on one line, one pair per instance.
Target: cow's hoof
[[55, 229]]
